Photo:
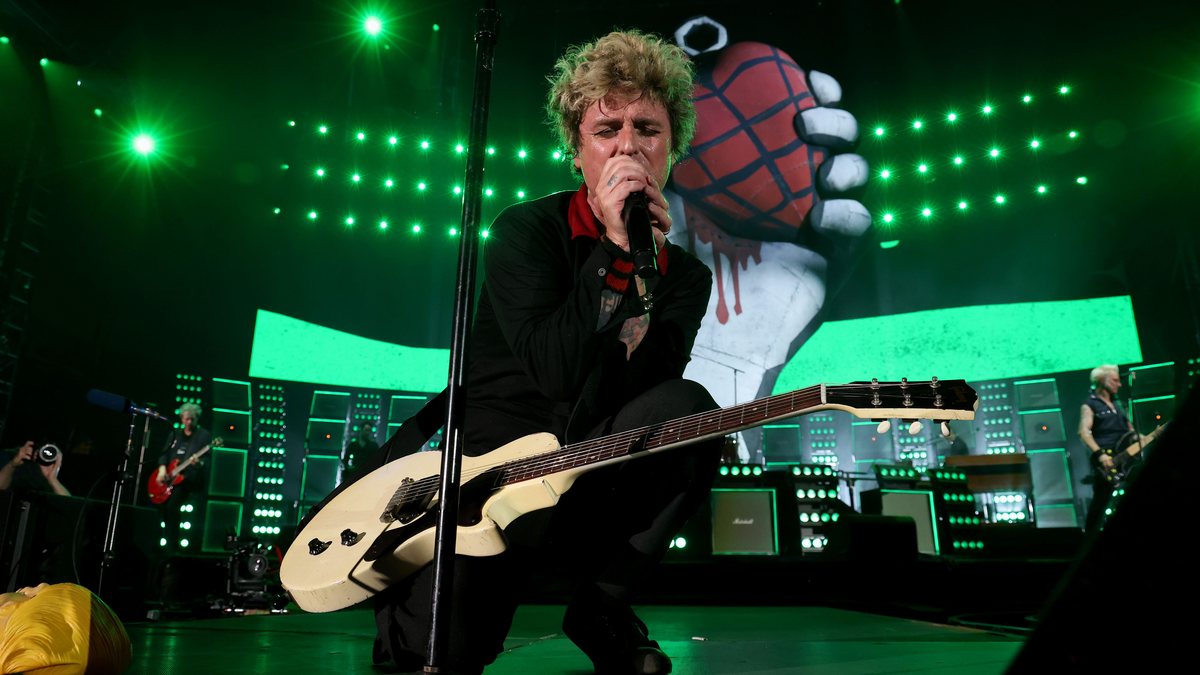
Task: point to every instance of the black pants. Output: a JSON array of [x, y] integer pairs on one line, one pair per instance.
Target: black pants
[[610, 529]]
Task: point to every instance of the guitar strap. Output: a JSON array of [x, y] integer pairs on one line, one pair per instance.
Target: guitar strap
[[407, 440]]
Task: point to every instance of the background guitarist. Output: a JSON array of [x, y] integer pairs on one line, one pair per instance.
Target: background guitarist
[[181, 444], [1102, 424]]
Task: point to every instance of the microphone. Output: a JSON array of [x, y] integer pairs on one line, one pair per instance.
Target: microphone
[[636, 215], [110, 401]]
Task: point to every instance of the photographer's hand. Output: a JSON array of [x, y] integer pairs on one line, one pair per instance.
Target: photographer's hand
[[50, 471]]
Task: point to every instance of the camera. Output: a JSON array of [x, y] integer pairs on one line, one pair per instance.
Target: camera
[[47, 454]]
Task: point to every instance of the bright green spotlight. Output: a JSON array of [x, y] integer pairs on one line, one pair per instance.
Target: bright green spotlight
[[291, 123], [44, 62], [557, 155], [885, 174], [454, 232], [373, 26], [459, 149], [1000, 199], [424, 145], [958, 160], [1082, 180], [356, 178], [312, 215], [952, 117], [383, 225], [491, 151], [349, 220], [421, 186], [962, 206], [278, 210], [320, 173], [1073, 134], [520, 194], [923, 168], [1064, 90], [879, 131], [488, 192], [97, 112], [521, 154], [392, 141], [994, 153], [3, 39], [926, 212], [1041, 189], [1026, 99], [143, 144], [987, 109], [322, 129], [416, 228], [436, 28], [362, 136], [888, 218], [917, 124], [1035, 144], [485, 234], [458, 189], [389, 183]]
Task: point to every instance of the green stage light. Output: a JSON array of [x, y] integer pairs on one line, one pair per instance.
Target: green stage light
[[389, 183], [1026, 99], [891, 243], [994, 153], [1064, 90], [323, 129], [485, 234], [520, 194], [459, 149], [521, 154], [373, 26], [356, 178], [416, 228], [44, 62], [392, 141], [958, 160], [487, 192], [1000, 199], [421, 186], [1082, 180], [320, 173], [987, 109], [291, 123], [458, 189], [879, 132], [278, 210], [383, 224], [1035, 144], [1041, 189], [885, 174], [312, 215], [97, 112], [3, 39], [917, 124], [889, 218], [962, 206], [284, 167], [454, 232], [436, 28], [362, 136], [557, 155], [491, 150], [927, 212], [923, 168], [424, 145], [143, 144], [1072, 134], [349, 220], [952, 117]]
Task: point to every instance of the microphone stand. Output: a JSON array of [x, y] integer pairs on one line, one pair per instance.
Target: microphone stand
[[447, 522], [107, 555]]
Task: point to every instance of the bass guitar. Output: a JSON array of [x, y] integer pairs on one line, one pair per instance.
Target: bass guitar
[[1125, 455], [161, 492], [380, 529]]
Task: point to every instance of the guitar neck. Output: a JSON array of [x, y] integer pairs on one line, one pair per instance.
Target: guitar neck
[[190, 460], [954, 400]]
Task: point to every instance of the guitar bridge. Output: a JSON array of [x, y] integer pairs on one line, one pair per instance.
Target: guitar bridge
[[404, 506]]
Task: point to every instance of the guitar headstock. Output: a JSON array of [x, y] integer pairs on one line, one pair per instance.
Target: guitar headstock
[[938, 400]]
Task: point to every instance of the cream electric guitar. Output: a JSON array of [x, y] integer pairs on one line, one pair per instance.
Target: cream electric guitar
[[380, 529]]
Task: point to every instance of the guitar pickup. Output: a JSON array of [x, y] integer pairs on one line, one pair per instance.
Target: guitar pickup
[[317, 547], [350, 537]]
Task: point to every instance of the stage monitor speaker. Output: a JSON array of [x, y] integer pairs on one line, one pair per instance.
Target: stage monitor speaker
[[781, 442], [1034, 394], [227, 472], [326, 436], [870, 444], [1119, 607], [230, 394], [404, 406], [231, 426], [1040, 428], [320, 477], [1148, 413], [915, 504], [744, 522], [1153, 380]]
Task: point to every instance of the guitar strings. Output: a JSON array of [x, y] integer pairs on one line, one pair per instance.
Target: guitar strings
[[621, 441]]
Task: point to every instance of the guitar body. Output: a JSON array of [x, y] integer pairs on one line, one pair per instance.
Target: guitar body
[[161, 492], [319, 581], [1126, 456]]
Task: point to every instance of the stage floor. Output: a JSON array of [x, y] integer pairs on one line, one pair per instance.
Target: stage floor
[[701, 641]]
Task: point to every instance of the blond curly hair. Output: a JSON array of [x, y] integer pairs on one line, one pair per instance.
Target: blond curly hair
[[622, 62]]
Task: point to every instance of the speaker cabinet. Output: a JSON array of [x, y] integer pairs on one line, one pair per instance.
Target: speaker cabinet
[[744, 522]]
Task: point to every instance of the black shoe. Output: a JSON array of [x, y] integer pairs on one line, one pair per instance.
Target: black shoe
[[613, 637]]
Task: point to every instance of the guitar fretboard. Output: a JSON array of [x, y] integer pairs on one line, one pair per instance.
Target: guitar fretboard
[[662, 436]]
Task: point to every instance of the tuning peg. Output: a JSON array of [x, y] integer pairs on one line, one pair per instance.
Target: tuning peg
[[945, 429], [915, 428], [884, 427]]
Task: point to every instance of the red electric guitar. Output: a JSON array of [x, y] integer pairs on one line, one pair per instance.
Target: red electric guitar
[[161, 492]]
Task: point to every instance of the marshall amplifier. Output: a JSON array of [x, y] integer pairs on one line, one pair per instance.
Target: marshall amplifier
[[744, 522]]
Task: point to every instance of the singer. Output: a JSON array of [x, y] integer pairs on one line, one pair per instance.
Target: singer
[[566, 341]]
